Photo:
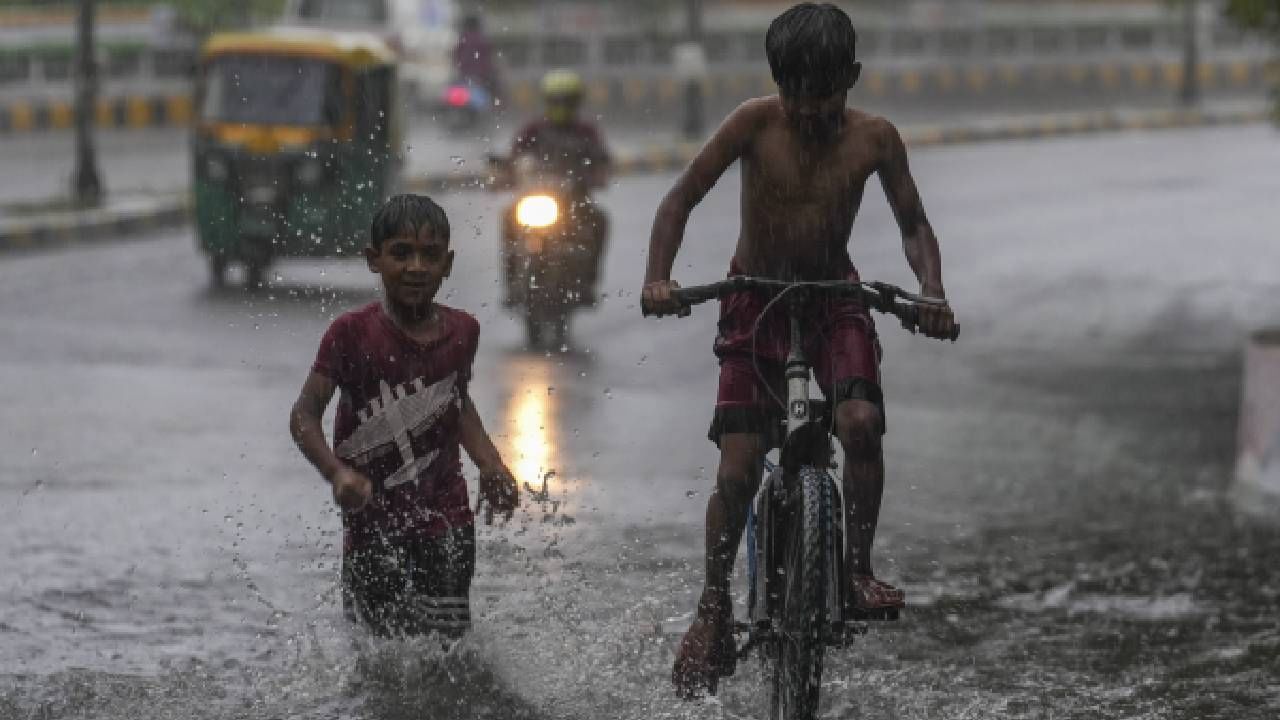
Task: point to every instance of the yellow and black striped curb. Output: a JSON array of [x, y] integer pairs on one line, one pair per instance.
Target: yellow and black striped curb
[[91, 226], [659, 93], [134, 111], [663, 92]]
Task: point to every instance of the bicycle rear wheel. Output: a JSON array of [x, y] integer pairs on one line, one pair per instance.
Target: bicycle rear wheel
[[802, 614]]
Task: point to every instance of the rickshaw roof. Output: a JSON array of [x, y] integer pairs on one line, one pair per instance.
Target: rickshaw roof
[[360, 50]]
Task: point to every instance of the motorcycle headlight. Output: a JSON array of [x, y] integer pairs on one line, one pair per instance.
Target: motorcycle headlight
[[309, 172], [537, 211], [216, 168]]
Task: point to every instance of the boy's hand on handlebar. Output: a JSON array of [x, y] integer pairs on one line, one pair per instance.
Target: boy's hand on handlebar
[[936, 321], [351, 489], [656, 299], [499, 494]]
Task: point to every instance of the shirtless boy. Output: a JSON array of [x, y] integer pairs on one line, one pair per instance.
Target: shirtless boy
[[805, 160]]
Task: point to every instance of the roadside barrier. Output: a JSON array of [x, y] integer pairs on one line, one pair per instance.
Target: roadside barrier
[[663, 94], [1122, 79], [134, 111], [1258, 457]]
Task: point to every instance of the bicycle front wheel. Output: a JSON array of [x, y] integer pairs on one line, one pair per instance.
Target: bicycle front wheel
[[801, 617]]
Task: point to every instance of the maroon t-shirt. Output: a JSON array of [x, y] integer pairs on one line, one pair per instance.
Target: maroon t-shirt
[[398, 421]]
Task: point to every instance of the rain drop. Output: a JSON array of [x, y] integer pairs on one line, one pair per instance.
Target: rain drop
[[608, 393]]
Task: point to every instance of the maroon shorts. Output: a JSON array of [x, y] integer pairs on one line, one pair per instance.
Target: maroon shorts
[[840, 344]]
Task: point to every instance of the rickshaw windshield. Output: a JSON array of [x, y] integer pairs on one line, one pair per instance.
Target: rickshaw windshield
[[272, 90]]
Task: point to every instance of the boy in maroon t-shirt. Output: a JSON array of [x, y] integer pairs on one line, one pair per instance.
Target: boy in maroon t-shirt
[[402, 366]]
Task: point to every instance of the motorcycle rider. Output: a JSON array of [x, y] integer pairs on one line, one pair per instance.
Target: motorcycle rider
[[573, 151], [475, 61]]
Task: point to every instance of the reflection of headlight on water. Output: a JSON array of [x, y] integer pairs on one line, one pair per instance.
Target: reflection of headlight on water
[[530, 414], [537, 211]]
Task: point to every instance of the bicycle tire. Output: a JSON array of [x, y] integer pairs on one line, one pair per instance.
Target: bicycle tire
[[802, 612]]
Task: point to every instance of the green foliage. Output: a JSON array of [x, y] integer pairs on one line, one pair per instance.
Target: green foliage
[[201, 16], [1256, 14], [205, 16], [1263, 16]]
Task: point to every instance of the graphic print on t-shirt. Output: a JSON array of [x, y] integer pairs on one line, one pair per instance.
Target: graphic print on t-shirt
[[392, 421]]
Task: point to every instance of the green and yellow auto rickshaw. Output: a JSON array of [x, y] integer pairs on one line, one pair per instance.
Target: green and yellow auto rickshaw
[[297, 142]]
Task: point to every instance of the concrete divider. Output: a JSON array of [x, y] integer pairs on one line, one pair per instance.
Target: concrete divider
[[1258, 459], [140, 214], [120, 217], [660, 94]]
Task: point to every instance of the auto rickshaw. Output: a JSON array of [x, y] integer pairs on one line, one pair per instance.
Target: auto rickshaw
[[297, 142]]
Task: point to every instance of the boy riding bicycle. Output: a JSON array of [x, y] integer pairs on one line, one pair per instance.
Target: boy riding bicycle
[[805, 160]]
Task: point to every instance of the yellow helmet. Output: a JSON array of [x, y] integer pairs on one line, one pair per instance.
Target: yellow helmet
[[562, 84]]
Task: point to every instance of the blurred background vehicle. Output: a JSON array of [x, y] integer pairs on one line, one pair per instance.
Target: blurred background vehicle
[[421, 32], [297, 142]]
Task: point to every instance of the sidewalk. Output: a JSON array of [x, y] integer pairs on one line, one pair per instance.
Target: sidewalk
[[463, 165]]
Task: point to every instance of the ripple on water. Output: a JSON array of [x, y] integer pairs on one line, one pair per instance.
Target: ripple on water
[[1155, 608]]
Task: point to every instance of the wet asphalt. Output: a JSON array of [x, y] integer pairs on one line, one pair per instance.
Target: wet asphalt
[[1059, 505]]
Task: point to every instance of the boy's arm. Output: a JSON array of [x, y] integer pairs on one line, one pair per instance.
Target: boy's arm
[[497, 485], [918, 241], [725, 146], [351, 489]]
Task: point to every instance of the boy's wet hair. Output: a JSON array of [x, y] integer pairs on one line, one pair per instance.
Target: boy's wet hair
[[811, 50], [406, 216]]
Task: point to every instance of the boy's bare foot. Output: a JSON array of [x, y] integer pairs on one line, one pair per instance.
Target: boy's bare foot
[[707, 651], [872, 594]]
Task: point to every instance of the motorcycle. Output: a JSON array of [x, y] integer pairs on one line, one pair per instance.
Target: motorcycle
[[553, 237]]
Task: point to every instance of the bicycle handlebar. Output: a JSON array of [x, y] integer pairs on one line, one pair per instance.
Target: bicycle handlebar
[[878, 296]]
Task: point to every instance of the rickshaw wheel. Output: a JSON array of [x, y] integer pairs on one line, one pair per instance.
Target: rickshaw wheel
[[217, 272], [254, 272], [533, 329]]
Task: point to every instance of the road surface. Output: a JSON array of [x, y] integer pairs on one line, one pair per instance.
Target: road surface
[[1058, 508]]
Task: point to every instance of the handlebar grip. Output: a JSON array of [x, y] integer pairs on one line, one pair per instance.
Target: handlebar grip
[[909, 314], [695, 294]]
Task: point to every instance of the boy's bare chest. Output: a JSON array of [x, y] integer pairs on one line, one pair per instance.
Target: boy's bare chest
[[784, 172]]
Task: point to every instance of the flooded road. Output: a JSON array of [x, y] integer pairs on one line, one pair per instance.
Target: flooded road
[[1058, 507]]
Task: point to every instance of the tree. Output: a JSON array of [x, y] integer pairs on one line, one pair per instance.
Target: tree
[[206, 16], [1261, 16]]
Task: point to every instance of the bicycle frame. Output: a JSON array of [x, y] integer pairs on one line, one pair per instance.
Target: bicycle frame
[[806, 443]]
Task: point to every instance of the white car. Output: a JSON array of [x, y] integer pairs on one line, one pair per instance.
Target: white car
[[422, 32]]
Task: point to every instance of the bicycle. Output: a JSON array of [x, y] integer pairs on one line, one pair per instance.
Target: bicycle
[[795, 549]]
